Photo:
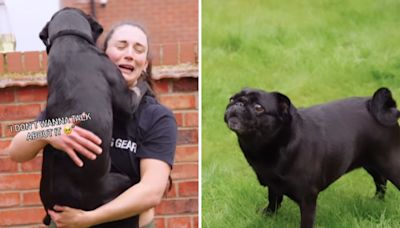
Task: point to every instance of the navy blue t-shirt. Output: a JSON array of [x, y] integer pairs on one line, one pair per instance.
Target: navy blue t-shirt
[[151, 133]]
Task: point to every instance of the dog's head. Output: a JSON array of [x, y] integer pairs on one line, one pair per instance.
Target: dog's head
[[70, 21], [255, 112]]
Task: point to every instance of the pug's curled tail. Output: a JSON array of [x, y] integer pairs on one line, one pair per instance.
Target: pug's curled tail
[[382, 106]]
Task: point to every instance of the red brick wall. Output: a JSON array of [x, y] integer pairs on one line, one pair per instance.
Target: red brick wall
[[18, 64], [36, 61]]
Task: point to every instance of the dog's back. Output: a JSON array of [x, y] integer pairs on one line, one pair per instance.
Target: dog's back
[[78, 84], [351, 117], [82, 79], [349, 133]]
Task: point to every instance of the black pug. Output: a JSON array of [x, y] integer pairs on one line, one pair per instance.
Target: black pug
[[82, 79], [300, 152]]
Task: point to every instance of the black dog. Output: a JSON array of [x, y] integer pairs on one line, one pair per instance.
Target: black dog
[[299, 153], [82, 79]]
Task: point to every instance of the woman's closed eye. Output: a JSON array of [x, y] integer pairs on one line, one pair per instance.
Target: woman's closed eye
[[121, 45], [139, 48]]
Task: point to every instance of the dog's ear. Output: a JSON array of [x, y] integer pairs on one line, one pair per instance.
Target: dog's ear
[[283, 103], [44, 36], [382, 106], [97, 29], [285, 107]]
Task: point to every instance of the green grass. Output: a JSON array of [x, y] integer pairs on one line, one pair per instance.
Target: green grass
[[313, 51]]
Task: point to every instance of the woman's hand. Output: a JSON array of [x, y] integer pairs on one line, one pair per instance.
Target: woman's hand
[[80, 141], [70, 217]]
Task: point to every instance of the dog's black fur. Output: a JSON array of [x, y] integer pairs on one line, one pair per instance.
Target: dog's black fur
[[299, 153], [82, 79]]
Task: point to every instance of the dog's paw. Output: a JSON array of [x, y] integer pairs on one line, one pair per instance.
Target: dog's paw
[[268, 212], [379, 196]]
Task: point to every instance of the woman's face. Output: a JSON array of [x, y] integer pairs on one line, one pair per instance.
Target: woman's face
[[128, 48]]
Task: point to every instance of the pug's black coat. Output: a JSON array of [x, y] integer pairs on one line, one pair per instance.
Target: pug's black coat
[[300, 152], [82, 79]]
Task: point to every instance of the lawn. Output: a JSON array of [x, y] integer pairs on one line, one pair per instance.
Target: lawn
[[313, 51]]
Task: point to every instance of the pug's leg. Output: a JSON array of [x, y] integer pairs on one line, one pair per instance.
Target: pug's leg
[[307, 209], [390, 168], [380, 182], [394, 176], [274, 204]]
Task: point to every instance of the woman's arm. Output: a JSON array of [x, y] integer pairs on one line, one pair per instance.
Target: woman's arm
[[22, 150], [80, 140], [146, 217], [138, 198]]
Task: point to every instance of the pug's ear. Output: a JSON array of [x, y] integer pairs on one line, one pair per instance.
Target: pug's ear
[[383, 107], [44, 36], [97, 29], [285, 107]]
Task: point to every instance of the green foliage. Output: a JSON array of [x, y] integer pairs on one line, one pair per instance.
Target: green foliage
[[313, 51]]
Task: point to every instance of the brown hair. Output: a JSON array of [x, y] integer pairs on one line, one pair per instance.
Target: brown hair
[[147, 74]]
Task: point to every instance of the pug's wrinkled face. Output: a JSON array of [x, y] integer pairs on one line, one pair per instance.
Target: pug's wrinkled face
[[254, 112]]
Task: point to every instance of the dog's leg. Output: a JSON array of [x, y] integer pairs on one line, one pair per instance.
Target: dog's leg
[[274, 204], [307, 209], [380, 182], [391, 167], [394, 177]]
